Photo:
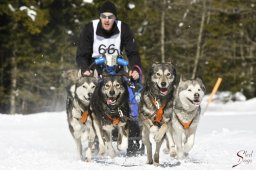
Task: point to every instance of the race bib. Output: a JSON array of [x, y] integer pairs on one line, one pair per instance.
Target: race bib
[[103, 45]]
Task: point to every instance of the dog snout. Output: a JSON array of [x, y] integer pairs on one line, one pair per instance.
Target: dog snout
[[112, 92], [163, 84], [90, 94], [196, 95]]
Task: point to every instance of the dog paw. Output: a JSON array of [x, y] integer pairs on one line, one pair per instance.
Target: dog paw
[[166, 151], [172, 152], [180, 156], [88, 155], [101, 150], [112, 154], [83, 158], [150, 162], [153, 129], [124, 143], [156, 164]]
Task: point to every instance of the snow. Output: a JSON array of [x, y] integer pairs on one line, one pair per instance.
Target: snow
[[42, 141], [181, 24], [30, 11], [11, 7], [131, 5], [87, 1]]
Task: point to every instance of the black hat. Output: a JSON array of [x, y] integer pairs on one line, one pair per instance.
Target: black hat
[[108, 7]]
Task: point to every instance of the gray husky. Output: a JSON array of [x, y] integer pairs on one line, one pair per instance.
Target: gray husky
[[79, 120], [110, 110], [156, 107], [185, 117]]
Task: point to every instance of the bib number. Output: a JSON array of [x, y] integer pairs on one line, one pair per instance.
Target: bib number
[[103, 49]]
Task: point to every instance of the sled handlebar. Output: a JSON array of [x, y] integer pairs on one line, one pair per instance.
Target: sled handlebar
[[119, 61]]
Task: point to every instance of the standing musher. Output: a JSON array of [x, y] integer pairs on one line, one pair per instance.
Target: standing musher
[[100, 36]]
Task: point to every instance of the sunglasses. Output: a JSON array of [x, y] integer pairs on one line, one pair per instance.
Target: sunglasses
[[105, 17]]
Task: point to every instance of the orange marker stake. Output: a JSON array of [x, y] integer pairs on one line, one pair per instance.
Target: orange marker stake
[[214, 90]]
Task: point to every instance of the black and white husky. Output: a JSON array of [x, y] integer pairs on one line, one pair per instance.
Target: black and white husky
[[156, 107], [110, 109], [79, 120], [185, 117]]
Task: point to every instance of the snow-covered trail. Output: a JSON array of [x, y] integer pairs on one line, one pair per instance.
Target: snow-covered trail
[[42, 142]]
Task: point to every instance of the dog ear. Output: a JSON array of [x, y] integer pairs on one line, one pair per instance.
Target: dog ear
[[201, 84], [79, 74], [175, 75], [181, 78], [70, 75], [199, 80], [104, 75], [155, 63], [95, 73], [168, 64], [169, 60]]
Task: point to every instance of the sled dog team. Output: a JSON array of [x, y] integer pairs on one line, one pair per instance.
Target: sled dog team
[[168, 111]]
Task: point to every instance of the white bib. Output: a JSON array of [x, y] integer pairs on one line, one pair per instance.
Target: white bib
[[103, 45]]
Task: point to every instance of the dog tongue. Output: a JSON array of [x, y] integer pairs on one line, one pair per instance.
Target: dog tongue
[[163, 91], [110, 100]]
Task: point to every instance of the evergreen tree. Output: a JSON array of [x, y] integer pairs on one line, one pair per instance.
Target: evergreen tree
[[38, 42]]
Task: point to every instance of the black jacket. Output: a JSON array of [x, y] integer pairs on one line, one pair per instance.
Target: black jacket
[[85, 44]]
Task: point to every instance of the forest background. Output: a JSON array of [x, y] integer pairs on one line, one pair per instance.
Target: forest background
[[203, 38]]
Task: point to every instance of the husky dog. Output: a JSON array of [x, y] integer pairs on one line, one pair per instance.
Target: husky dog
[[110, 109], [79, 120], [156, 107], [185, 117]]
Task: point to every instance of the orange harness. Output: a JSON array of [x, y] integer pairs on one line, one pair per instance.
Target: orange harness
[[115, 121], [185, 125], [160, 111], [84, 117]]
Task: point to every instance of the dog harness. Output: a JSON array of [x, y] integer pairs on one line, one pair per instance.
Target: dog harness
[[183, 124], [160, 110], [84, 117], [116, 120], [84, 114]]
